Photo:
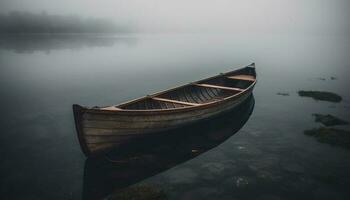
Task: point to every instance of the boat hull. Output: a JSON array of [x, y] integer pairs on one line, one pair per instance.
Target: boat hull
[[100, 131]]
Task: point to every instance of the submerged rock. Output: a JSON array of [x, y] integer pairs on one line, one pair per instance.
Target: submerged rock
[[201, 193], [293, 168], [331, 136], [321, 96], [329, 120], [182, 176], [241, 181], [215, 168], [142, 192], [263, 162], [269, 197], [326, 193], [269, 176], [283, 93], [327, 178]]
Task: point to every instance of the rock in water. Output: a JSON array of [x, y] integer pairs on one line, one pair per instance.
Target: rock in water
[[321, 96], [331, 136], [329, 120]]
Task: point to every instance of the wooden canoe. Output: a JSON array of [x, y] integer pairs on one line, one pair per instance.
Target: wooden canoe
[[158, 152], [101, 129]]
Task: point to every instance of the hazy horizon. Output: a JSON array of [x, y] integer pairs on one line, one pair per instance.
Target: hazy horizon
[[221, 16], [100, 53]]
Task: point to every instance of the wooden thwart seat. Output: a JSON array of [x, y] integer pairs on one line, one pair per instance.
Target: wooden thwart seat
[[242, 77], [176, 101], [219, 87]]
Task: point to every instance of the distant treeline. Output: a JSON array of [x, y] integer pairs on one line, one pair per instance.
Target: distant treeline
[[29, 43], [25, 22]]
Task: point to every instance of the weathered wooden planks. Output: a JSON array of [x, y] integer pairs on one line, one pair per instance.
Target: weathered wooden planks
[[100, 129]]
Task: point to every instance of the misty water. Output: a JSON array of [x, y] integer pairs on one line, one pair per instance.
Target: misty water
[[268, 158]]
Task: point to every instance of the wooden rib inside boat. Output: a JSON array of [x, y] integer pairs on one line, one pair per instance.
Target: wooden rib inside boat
[[102, 128]]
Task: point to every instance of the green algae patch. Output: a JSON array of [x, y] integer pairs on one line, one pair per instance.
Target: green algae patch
[[329, 120], [143, 192], [332, 136], [321, 95]]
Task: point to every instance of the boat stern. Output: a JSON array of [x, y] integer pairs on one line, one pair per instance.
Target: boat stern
[[78, 112]]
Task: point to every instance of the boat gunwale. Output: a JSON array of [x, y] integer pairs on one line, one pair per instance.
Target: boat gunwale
[[170, 110]]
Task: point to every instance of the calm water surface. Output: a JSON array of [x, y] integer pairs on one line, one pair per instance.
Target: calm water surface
[[268, 158]]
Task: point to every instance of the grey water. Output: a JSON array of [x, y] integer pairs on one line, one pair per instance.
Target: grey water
[[41, 77]]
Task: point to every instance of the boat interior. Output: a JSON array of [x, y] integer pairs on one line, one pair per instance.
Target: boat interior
[[201, 92]]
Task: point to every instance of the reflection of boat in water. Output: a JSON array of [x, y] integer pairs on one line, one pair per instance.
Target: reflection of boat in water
[[101, 129], [151, 155]]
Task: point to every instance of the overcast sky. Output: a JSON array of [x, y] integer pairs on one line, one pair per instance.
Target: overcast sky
[[305, 16]]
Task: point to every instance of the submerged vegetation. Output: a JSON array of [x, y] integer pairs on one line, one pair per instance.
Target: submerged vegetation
[[321, 96], [142, 192], [329, 120], [29, 23], [331, 136]]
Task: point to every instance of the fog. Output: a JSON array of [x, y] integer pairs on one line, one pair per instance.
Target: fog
[[201, 16]]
